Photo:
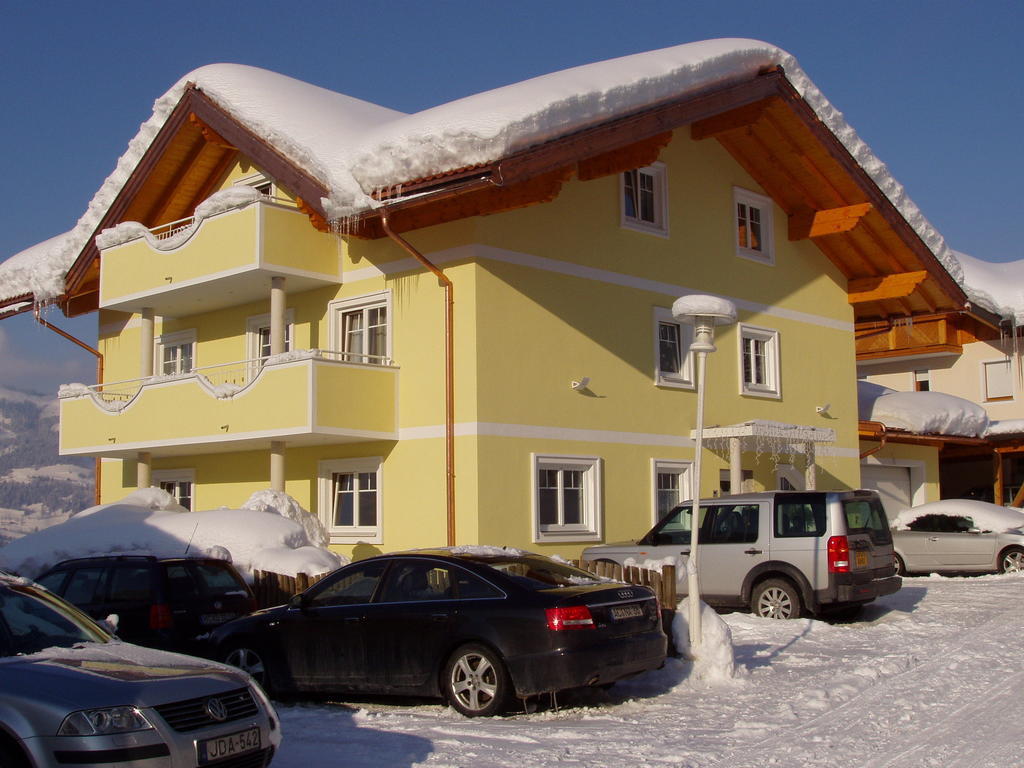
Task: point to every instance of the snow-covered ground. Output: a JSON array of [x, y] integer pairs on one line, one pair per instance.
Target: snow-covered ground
[[929, 677]]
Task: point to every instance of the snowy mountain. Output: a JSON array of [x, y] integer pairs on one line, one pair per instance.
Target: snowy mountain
[[38, 488]]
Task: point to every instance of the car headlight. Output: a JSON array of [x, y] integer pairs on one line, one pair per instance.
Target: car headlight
[[102, 722]]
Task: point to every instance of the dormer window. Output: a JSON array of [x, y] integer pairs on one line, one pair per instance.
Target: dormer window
[[262, 184]]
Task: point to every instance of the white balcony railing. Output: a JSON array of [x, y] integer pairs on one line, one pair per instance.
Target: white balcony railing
[[222, 381]]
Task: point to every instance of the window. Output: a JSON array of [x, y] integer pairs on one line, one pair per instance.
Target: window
[[265, 186], [352, 586], [257, 334], [673, 362], [998, 381], [753, 226], [645, 199], [179, 483], [731, 524], [415, 582], [801, 518], [566, 498], [350, 499], [788, 479], [175, 353], [759, 361], [725, 482], [361, 329], [922, 381], [671, 486]]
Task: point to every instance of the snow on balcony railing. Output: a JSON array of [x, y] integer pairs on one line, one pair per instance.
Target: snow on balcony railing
[[222, 381]]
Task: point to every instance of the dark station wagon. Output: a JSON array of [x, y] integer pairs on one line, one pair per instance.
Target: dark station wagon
[[160, 602], [476, 626]]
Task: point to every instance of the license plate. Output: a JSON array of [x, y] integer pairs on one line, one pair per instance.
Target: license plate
[[222, 747], [620, 612], [213, 619], [861, 559]]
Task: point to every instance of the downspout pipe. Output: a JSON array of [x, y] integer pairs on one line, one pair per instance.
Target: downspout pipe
[[881, 431], [449, 371], [99, 379]]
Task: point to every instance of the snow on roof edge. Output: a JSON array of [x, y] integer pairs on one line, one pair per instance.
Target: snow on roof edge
[[41, 268]]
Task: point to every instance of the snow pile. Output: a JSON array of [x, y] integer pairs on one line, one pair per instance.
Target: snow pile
[[281, 503], [988, 517], [924, 413], [354, 148], [713, 661], [148, 521], [722, 310], [1005, 427], [998, 288]]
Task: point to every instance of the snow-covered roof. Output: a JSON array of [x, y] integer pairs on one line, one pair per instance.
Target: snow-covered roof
[[998, 288], [923, 413], [354, 147]]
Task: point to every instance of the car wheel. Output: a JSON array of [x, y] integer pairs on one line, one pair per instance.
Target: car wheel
[[476, 681], [776, 599], [251, 660], [901, 567], [1011, 560]]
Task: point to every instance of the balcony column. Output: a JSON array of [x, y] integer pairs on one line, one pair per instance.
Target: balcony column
[[146, 343], [810, 471], [277, 465], [735, 466], [277, 315], [144, 471]]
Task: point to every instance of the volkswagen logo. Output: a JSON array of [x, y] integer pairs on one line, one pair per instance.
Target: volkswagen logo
[[625, 594], [216, 710]]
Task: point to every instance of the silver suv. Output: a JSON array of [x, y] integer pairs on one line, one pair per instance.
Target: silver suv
[[782, 553]]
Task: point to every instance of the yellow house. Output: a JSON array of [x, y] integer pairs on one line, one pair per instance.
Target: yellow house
[[455, 327]]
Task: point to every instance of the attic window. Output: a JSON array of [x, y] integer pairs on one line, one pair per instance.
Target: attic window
[[260, 183], [753, 226], [644, 199]]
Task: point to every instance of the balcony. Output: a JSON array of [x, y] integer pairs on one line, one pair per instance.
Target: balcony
[[303, 398], [218, 260]]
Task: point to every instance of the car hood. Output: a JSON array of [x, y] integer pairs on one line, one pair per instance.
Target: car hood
[[115, 673]]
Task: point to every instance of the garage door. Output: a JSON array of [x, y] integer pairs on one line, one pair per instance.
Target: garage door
[[892, 484]]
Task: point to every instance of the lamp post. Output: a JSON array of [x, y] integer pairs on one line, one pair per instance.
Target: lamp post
[[703, 313]]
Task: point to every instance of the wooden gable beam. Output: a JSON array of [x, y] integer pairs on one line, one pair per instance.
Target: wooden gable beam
[[897, 286], [743, 117], [636, 155], [807, 223]]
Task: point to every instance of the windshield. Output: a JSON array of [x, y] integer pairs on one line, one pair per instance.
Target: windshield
[[541, 573], [31, 620]]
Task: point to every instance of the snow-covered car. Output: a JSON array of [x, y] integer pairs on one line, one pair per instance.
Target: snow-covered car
[[782, 553], [70, 694], [959, 536]]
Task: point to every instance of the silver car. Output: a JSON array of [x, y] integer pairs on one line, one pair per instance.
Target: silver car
[[783, 554], [935, 542], [70, 694]]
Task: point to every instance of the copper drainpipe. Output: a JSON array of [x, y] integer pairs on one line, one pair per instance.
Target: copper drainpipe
[[449, 372], [99, 380], [881, 433]]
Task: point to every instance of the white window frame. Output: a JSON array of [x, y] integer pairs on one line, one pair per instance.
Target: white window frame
[[658, 173], [259, 181], [922, 380], [589, 529], [337, 310], [683, 471], [326, 470], [772, 387], [985, 380], [683, 379], [766, 211], [791, 475], [176, 476], [253, 326], [176, 339]]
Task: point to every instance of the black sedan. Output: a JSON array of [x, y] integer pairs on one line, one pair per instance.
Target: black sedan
[[475, 625]]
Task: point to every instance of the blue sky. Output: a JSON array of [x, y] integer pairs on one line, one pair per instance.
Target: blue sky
[[934, 87]]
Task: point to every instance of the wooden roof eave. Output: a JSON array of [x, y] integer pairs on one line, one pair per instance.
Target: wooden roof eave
[[195, 102], [868, 433]]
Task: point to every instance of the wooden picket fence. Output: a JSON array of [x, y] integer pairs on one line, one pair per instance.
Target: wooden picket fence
[[275, 588], [662, 582]]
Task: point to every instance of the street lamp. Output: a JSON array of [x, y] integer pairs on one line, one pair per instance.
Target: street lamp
[[703, 313]]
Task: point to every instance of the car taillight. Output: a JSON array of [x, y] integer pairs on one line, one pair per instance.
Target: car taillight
[[570, 617], [838, 555], [160, 616]]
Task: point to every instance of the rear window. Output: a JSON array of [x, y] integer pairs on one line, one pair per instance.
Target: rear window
[[867, 516], [538, 573], [186, 580]]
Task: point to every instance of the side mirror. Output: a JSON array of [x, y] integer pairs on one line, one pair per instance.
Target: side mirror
[[975, 531]]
